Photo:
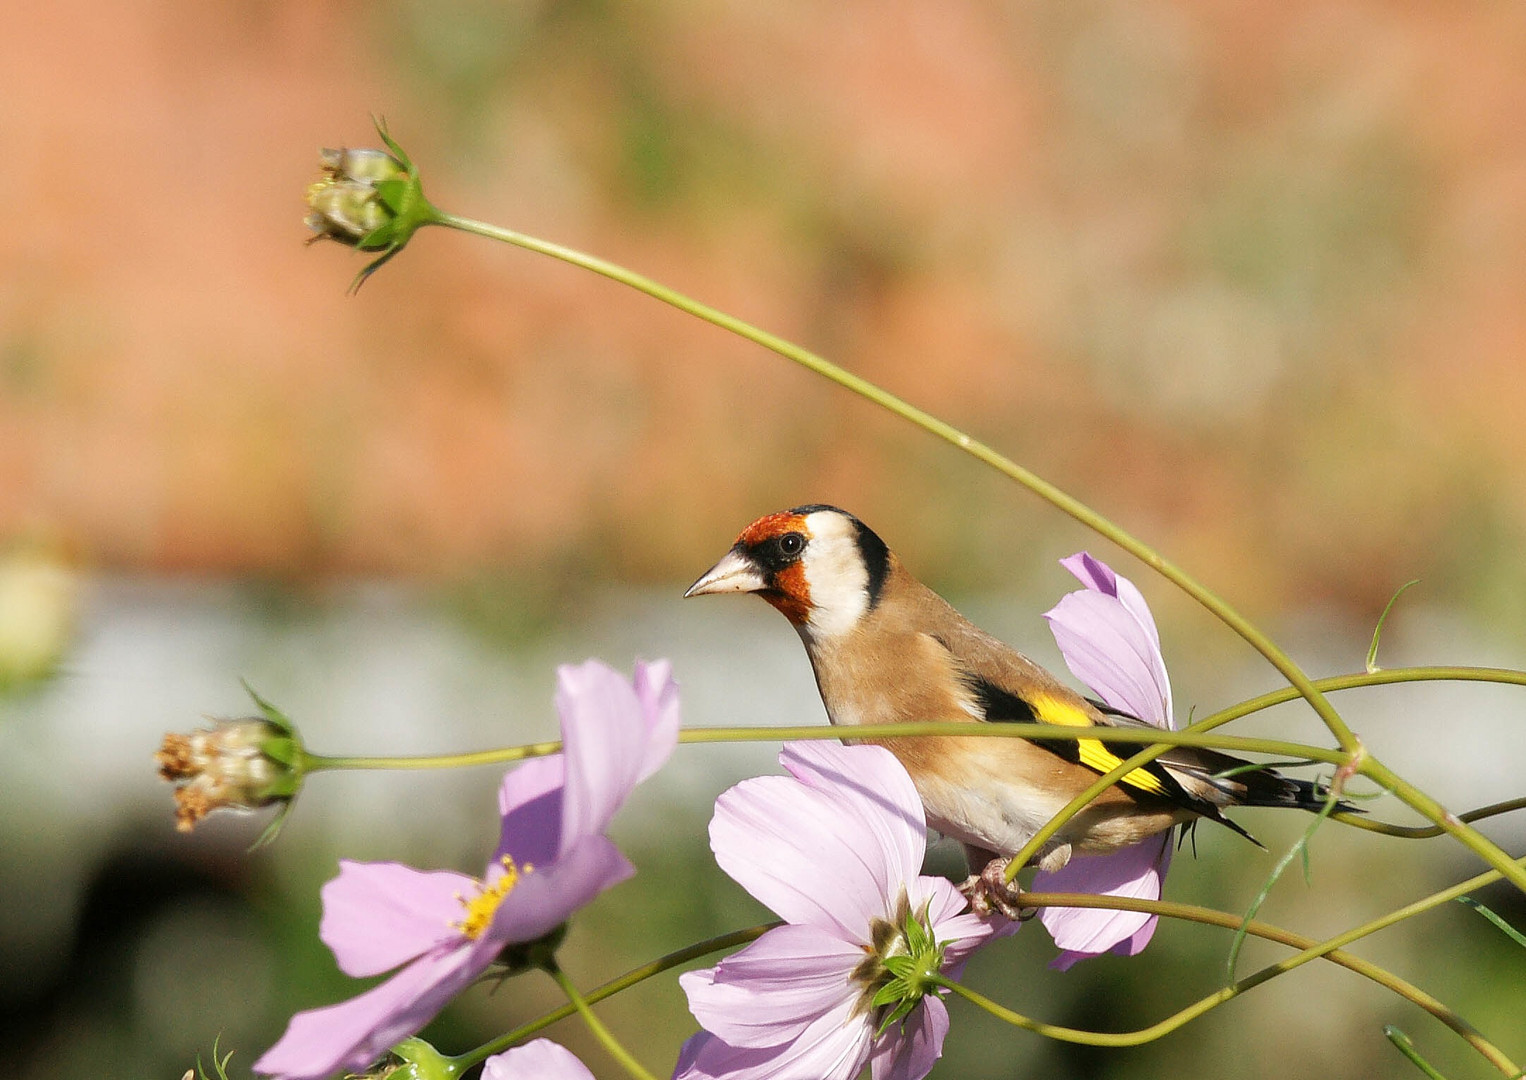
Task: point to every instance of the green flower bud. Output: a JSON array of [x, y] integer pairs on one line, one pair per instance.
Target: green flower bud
[[236, 764], [233, 765], [418, 1061], [368, 199], [902, 965], [347, 211]]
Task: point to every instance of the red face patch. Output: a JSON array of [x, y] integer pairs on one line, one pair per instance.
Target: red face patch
[[791, 594], [766, 528], [787, 590]]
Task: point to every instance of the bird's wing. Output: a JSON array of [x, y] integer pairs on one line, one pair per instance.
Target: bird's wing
[[1006, 687]]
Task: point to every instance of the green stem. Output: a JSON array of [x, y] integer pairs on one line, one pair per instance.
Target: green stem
[[923, 729], [1382, 677], [1310, 950], [1448, 822], [1266, 701], [677, 958], [965, 729], [1193, 735], [1424, 832], [319, 762], [1082, 800], [616, 1049], [934, 426], [1403, 1044]]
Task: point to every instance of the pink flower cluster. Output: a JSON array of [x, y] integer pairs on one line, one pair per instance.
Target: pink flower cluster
[[857, 973]]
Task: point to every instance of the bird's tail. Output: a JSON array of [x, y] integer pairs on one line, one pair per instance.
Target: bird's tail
[[1227, 782]]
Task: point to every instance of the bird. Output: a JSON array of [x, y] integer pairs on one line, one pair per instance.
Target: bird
[[887, 649]]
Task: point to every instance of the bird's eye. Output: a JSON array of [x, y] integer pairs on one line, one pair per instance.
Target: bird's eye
[[791, 544]]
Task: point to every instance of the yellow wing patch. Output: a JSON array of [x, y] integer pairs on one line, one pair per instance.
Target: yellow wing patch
[[1091, 752]]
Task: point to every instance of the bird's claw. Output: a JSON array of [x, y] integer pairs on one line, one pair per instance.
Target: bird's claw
[[989, 891]]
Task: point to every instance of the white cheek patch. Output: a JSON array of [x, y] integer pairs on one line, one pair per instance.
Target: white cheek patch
[[836, 575]]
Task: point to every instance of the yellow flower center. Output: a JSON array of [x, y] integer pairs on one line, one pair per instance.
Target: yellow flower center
[[480, 908]]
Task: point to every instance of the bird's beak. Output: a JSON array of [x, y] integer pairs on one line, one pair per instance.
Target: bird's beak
[[735, 573]]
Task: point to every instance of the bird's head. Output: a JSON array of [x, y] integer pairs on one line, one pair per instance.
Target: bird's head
[[820, 566]]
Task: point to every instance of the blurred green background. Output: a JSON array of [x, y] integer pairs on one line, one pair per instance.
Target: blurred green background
[[1250, 279]]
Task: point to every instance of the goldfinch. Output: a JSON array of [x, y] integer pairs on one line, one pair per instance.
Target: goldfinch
[[887, 649]]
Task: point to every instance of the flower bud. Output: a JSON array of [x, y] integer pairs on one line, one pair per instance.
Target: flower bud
[[368, 199], [346, 204], [239, 764], [418, 1060]]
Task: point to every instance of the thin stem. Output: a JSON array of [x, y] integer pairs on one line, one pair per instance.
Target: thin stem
[[461, 1062], [965, 729], [1266, 701], [1423, 832], [1403, 1044], [616, 1049], [1083, 799], [921, 729], [1310, 950], [1448, 822], [934, 426], [319, 762], [1383, 677]]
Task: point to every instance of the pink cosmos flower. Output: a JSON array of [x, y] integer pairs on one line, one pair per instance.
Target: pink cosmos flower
[[1109, 640], [447, 928], [835, 849], [540, 1059]]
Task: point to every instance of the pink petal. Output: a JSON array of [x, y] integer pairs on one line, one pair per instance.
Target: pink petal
[[379, 915], [530, 802], [1097, 576], [942, 901], [1135, 872], [604, 734], [1129, 640], [1110, 651], [771, 991], [540, 1059], [834, 1047], [910, 1054], [704, 1057], [546, 896], [827, 857], [878, 791], [966, 934], [658, 694], [353, 1034]]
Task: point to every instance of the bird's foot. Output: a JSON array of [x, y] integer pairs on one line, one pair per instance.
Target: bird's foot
[[989, 891]]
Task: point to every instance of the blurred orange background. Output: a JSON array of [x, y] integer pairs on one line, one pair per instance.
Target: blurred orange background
[[1251, 279]]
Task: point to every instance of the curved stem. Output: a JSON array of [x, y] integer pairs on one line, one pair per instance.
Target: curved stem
[[1193, 735], [1382, 677], [613, 1045], [1423, 832], [1266, 701], [921, 729], [316, 762], [319, 762], [1310, 950], [1403, 1044], [461, 1062], [967, 730], [1082, 800], [1444, 819], [934, 426]]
